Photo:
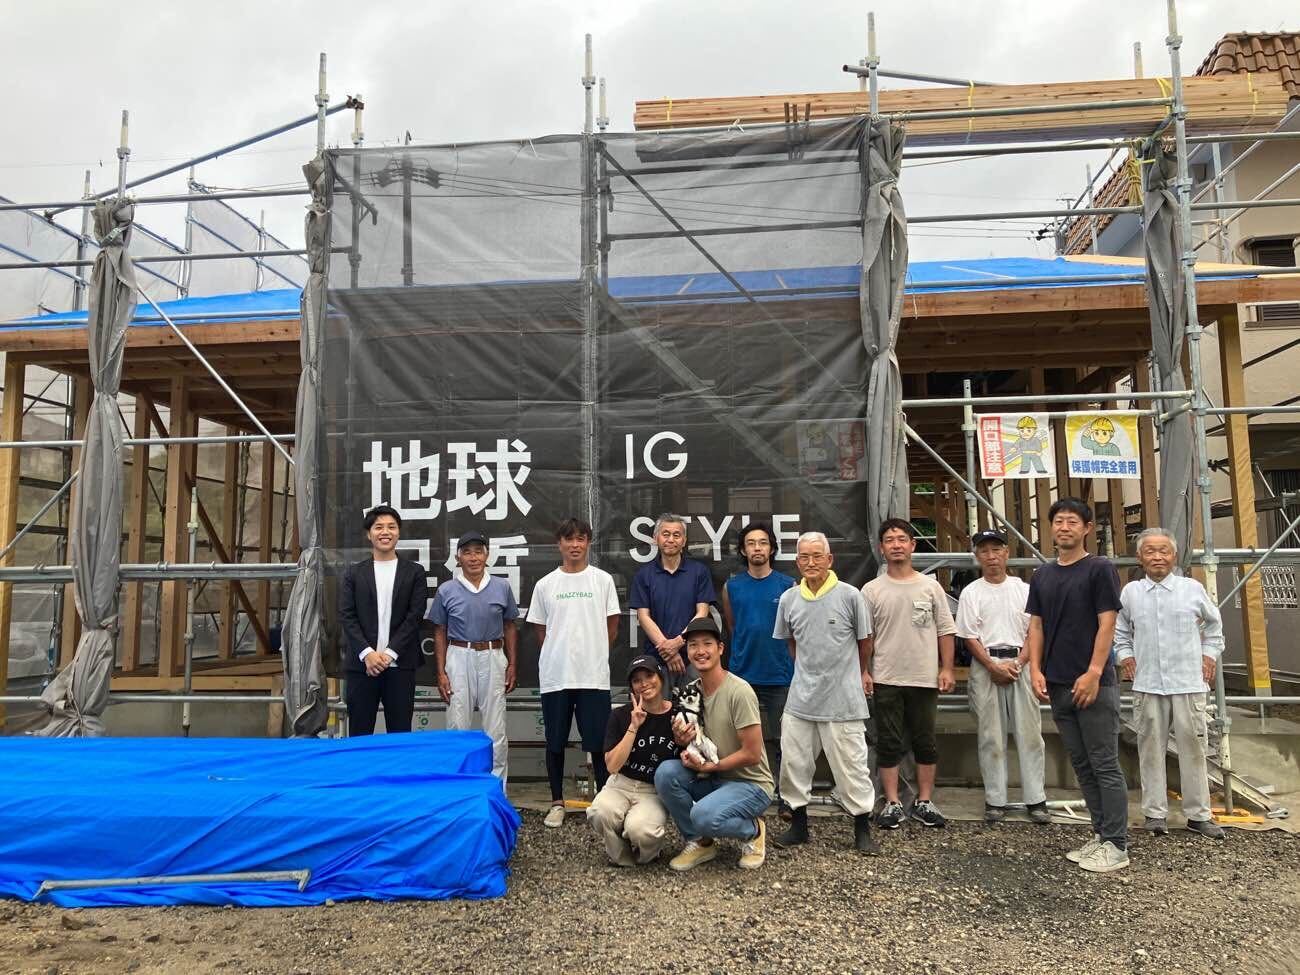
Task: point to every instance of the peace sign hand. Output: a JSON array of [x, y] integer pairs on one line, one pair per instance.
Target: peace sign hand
[[638, 712]]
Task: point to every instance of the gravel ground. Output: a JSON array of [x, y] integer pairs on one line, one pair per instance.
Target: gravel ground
[[967, 899]]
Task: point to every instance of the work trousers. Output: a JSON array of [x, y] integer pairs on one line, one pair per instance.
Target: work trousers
[[1156, 715], [1091, 736], [845, 745], [1001, 710], [478, 682], [628, 816]]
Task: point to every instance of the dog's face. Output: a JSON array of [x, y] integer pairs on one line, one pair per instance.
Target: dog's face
[[688, 700]]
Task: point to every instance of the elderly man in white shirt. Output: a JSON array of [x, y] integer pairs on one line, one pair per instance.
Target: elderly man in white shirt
[[1168, 639]]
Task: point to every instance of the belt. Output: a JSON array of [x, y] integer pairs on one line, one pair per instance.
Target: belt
[[1004, 653], [478, 644]]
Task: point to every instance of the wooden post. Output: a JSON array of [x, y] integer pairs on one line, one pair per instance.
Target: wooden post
[[11, 461], [1147, 448], [71, 626], [229, 509], [175, 516], [1241, 472], [137, 511], [265, 529]]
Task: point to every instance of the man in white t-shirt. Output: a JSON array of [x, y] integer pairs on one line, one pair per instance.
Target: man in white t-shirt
[[575, 612], [991, 618]]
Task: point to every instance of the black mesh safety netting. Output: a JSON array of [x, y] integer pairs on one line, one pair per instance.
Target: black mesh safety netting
[[607, 327]]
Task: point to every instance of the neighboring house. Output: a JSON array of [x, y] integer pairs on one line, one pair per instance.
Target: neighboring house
[[1270, 333]]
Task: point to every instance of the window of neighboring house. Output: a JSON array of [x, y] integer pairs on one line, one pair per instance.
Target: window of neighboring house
[[1276, 252]]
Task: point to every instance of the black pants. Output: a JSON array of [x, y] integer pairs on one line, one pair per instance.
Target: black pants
[[1091, 736], [395, 687], [559, 709]]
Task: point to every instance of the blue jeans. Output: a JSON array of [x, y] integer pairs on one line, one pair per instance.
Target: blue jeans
[[706, 807]]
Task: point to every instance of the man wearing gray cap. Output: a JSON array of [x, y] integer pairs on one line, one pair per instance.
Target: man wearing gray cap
[[991, 618], [475, 640]]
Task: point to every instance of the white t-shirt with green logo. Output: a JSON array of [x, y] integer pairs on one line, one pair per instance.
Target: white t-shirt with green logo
[[573, 606]]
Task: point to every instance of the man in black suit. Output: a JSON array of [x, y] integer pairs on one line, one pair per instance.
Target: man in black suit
[[383, 602]]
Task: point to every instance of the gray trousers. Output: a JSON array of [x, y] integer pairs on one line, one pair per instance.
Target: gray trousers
[[1156, 715], [1091, 736], [1001, 710]]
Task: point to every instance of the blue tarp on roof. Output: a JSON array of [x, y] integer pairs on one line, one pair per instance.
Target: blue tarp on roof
[[986, 274], [152, 807], [253, 306]]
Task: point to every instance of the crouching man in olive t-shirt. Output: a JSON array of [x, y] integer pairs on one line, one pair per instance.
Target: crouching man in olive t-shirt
[[724, 799]]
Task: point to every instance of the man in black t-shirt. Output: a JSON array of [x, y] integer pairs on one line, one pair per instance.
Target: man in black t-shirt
[[627, 813], [1073, 603]]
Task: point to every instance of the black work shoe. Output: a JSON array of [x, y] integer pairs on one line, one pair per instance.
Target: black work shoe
[[994, 814], [1156, 827], [924, 812], [891, 817], [1038, 813], [797, 834], [863, 841]]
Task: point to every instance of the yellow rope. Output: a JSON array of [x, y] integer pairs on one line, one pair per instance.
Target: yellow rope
[[669, 117], [1166, 88], [1250, 86], [970, 104]]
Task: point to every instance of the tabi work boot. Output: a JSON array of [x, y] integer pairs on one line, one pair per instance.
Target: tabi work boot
[[1039, 814], [797, 833], [863, 841]]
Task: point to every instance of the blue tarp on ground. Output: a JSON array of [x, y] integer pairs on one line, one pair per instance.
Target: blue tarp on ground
[[987, 274], [375, 818]]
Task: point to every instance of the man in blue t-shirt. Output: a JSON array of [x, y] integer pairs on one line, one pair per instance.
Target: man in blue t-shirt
[[749, 604], [668, 593], [1072, 607]]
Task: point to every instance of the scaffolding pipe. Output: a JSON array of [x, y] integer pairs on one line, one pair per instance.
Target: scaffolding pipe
[[862, 71], [157, 259], [160, 571], [873, 67], [1193, 331], [47, 210], [1045, 398], [1054, 109], [151, 441], [1257, 198], [123, 154], [1250, 573], [322, 104], [917, 438], [217, 376], [56, 208], [31, 522], [187, 684], [968, 430], [1243, 156]]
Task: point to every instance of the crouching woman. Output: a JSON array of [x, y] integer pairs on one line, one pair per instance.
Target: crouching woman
[[627, 814]]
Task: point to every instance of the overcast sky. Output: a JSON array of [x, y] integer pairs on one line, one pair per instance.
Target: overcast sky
[[198, 76]]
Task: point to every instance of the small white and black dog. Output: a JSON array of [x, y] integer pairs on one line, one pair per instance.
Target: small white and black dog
[[688, 702]]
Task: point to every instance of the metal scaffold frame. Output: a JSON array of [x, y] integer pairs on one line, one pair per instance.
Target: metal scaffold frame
[[189, 572], [599, 168]]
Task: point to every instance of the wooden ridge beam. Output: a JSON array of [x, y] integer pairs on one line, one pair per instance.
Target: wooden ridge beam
[[1214, 103]]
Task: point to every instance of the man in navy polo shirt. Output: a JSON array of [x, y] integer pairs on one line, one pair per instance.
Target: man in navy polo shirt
[[475, 639], [668, 593]]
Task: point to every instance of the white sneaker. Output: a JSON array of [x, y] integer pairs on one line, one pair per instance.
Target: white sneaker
[[1107, 858], [554, 816], [1076, 856]]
